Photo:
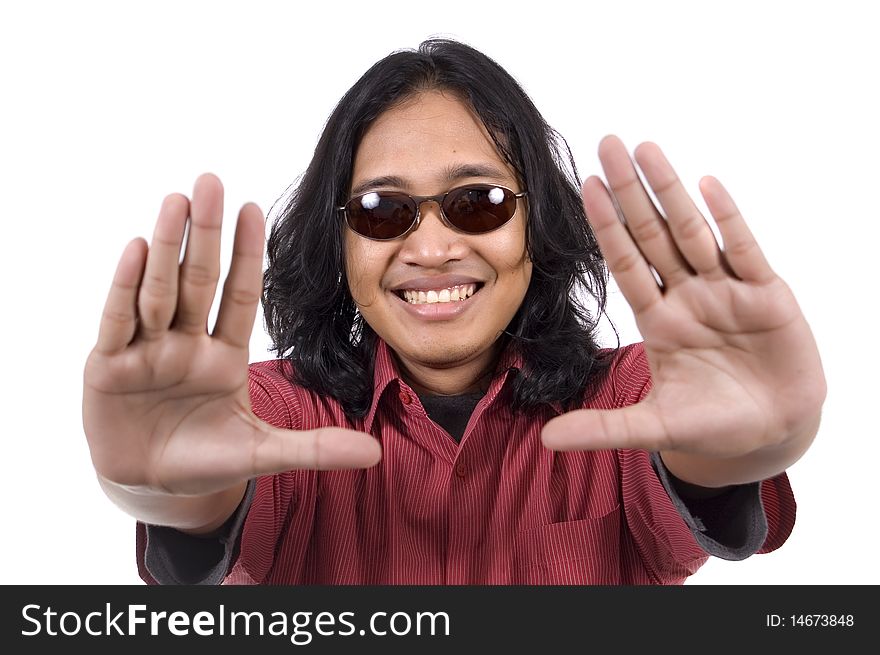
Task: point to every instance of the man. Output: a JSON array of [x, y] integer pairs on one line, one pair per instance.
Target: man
[[440, 412]]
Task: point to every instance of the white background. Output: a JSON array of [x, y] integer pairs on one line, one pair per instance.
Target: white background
[[106, 108]]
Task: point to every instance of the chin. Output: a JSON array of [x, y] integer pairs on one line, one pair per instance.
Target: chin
[[440, 355]]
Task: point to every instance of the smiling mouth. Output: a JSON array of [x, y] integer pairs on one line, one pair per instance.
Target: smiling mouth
[[458, 293]]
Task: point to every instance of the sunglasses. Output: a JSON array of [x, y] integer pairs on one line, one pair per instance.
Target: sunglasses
[[472, 209]]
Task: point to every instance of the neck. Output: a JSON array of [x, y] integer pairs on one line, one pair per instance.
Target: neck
[[467, 377]]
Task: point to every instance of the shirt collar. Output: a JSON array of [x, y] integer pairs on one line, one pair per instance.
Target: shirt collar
[[385, 372]]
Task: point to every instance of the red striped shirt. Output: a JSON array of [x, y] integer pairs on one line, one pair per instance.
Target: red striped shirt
[[498, 508]]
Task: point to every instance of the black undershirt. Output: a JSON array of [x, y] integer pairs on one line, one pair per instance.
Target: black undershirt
[[451, 413]]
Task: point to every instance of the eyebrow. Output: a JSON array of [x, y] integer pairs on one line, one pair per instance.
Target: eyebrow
[[452, 174]]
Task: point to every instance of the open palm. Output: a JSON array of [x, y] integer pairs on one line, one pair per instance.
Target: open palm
[[166, 407], [734, 366]]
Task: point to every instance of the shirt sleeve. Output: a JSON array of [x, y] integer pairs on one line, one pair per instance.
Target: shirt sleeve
[[173, 557], [675, 533], [731, 525], [168, 556]]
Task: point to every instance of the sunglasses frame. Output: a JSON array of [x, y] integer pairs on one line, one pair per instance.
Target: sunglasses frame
[[439, 199]]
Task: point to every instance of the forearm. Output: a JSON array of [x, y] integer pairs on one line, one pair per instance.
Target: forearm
[[760, 464], [197, 515]]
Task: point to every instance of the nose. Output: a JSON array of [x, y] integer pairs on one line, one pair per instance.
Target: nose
[[431, 242], [434, 210]]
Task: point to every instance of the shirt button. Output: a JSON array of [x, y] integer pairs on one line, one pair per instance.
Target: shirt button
[[461, 470], [404, 398]]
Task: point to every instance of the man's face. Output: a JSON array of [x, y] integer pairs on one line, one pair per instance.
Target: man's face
[[420, 142]]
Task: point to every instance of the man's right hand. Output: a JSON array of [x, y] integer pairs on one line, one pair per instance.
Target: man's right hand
[[166, 408]]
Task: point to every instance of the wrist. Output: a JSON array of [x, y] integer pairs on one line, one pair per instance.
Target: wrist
[[197, 515]]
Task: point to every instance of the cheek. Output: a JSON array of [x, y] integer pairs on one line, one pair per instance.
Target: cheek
[[354, 258], [363, 269], [514, 265]]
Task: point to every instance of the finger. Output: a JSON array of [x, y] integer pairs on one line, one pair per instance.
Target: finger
[[119, 319], [201, 263], [241, 292], [646, 225], [322, 449], [626, 263], [157, 298], [636, 426], [689, 229], [741, 250]]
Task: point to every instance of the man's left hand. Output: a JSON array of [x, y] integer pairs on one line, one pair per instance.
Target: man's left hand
[[738, 383]]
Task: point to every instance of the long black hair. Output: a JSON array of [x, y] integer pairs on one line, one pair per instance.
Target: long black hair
[[310, 314]]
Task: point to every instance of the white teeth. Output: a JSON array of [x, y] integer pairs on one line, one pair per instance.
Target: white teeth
[[456, 293]]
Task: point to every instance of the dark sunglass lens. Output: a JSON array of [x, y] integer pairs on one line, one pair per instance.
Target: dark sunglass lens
[[479, 209], [385, 216]]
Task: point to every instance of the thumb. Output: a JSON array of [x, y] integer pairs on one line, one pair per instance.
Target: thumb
[[320, 449], [636, 426]]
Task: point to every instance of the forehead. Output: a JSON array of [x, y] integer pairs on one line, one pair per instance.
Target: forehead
[[422, 139]]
